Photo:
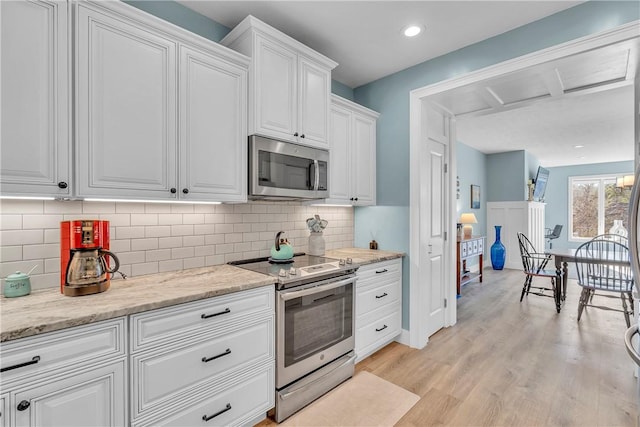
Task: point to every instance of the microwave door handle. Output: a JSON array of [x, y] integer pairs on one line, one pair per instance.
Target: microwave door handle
[[312, 175], [317, 177]]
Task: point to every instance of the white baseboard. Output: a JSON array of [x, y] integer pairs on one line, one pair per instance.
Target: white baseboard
[[403, 338]]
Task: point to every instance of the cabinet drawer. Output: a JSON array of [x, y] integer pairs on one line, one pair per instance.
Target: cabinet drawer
[[375, 297], [236, 404], [167, 324], [162, 375], [384, 328], [379, 270], [72, 347]]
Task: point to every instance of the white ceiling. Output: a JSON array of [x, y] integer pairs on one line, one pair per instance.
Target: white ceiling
[[584, 100], [365, 37]]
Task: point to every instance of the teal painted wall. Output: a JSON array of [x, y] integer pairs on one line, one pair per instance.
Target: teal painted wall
[[557, 194], [341, 90], [472, 169], [390, 95], [506, 176]]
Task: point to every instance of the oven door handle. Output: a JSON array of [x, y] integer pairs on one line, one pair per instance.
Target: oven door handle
[[289, 295], [321, 378]]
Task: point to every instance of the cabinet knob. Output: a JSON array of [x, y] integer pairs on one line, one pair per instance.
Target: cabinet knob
[[351, 199], [23, 405], [173, 191], [295, 134], [356, 199], [62, 184], [302, 136], [185, 190]]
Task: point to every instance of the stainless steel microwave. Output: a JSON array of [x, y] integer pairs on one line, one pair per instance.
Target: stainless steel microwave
[[281, 170]]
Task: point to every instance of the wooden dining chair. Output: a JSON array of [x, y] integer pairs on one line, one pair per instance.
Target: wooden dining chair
[[534, 264], [604, 270]]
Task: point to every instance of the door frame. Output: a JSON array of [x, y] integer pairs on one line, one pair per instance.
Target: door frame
[[417, 128]]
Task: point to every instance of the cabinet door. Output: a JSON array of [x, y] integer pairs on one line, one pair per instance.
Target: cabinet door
[[94, 397], [340, 174], [126, 108], [363, 153], [35, 98], [275, 90], [4, 414], [213, 128], [314, 90]]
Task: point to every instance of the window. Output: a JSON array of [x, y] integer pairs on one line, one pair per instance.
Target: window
[[595, 202]]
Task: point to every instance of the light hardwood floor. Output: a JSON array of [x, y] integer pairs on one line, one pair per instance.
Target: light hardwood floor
[[507, 363]]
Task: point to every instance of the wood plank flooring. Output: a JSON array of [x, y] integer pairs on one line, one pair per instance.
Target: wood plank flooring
[[507, 363]]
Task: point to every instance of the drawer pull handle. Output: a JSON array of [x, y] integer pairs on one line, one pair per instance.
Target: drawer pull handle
[[381, 271], [381, 329], [23, 405], [225, 311], [205, 360], [226, 408], [381, 296], [33, 361]]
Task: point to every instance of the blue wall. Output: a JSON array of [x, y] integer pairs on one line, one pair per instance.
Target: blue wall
[[472, 169], [557, 194], [506, 176]]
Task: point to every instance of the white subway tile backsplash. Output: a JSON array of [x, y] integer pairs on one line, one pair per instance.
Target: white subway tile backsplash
[[65, 207], [30, 222], [194, 262], [144, 244], [150, 237], [158, 255], [10, 253], [129, 232], [21, 237], [11, 222], [144, 268], [45, 281], [40, 251], [182, 252], [169, 242], [193, 240], [21, 206], [144, 219], [182, 230]]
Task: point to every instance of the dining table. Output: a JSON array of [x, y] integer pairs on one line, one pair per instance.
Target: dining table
[[562, 258]]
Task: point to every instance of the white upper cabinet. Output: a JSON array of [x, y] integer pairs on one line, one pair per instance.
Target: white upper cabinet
[[35, 119], [160, 112], [289, 84], [352, 177], [126, 145], [213, 123]]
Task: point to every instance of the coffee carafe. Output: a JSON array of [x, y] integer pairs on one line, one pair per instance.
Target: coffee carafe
[[89, 267]]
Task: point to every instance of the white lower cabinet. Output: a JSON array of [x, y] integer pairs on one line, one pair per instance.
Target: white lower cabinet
[[74, 377], [4, 415], [378, 306], [220, 367]]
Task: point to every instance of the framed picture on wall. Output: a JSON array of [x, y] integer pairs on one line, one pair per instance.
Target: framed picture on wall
[[475, 196]]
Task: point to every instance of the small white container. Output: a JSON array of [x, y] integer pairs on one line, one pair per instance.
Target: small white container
[[316, 243]]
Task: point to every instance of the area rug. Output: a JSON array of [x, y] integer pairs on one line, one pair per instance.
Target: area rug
[[364, 400]]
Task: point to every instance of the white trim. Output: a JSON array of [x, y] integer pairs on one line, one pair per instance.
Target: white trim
[[403, 338], [418, 96]]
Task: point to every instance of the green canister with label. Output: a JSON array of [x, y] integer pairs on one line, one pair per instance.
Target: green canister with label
[[17, 284]]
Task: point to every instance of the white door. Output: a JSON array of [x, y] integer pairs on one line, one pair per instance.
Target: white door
[[340, 173], [433, 220], [95, 397], [274, 108], [213, 128], [314, 91], [35, 139], [126, 108], [363, 153]]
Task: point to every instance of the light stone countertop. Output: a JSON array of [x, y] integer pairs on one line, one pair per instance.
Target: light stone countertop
[[48, 310]]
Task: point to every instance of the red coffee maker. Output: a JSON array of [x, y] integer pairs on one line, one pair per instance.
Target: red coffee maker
[[84, 257]]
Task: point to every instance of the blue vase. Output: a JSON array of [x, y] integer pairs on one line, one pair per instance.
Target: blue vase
[[498, 252]]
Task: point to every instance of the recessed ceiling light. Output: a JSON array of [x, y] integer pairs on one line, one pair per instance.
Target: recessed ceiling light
[[412, 31], [578, 146]]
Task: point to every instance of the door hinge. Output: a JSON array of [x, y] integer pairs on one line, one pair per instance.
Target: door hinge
[[446, 168], [445, 236], [445, 303]]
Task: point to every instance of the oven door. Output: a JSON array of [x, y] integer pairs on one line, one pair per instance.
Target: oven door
[[315, 325]]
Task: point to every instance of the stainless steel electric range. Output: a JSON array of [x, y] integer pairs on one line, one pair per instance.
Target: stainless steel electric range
[[314, 326]]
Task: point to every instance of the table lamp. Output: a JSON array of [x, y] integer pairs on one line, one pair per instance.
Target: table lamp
[[467, 219]]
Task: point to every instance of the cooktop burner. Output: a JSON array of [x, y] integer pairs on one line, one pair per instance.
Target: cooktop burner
[[300, 270]]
